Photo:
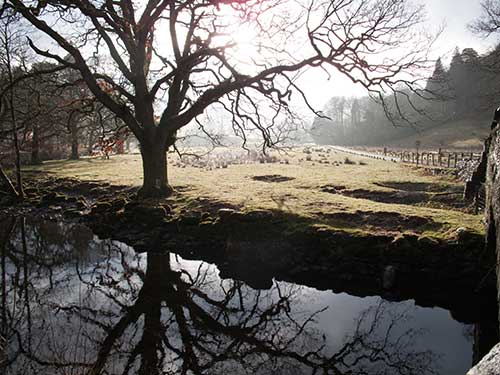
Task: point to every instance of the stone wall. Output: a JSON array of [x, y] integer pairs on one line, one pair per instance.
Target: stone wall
[[492, 209], [490, 364]]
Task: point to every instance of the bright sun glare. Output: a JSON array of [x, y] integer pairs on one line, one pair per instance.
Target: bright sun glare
[[242, 34]]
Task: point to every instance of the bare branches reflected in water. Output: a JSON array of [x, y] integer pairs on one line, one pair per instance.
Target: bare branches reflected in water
[[111, 311]]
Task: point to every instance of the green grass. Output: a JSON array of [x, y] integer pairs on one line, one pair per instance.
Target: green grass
[[463, 134], [301, 196]]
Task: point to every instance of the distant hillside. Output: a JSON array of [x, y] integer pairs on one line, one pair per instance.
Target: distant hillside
[[467, 89], [462, 134]]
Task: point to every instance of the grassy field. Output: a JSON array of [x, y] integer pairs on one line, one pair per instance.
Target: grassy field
[[463, 134], [317, 183]]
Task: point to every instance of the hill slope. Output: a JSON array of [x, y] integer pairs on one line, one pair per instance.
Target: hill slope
[[462, 134]]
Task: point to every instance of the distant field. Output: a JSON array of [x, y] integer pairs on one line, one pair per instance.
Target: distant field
[[463, 134], [318, 183]]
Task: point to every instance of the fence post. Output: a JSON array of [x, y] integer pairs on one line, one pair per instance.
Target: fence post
[[449, 159]]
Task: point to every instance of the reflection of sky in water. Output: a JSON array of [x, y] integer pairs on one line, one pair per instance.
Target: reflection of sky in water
[[438, 331], [82, 280]]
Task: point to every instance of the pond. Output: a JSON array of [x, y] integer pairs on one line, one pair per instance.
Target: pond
[[74, 304]]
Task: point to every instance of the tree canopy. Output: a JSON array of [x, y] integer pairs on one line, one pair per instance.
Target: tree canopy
[[157, 65]]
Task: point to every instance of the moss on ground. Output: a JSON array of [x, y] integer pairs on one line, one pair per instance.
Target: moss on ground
[[315, 184]]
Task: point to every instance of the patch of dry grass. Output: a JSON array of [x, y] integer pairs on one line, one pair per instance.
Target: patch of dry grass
[[300, 193]]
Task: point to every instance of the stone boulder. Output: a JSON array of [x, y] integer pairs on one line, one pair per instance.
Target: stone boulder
[[489, 365]]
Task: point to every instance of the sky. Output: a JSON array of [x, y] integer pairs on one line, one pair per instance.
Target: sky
[[454, 15]]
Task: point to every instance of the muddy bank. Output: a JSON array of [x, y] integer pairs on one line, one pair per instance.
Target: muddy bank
[[258, 246]]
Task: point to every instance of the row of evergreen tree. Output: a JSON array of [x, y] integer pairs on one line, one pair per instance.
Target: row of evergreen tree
[[468, 89]]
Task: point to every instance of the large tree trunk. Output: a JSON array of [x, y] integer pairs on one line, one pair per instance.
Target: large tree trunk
[[154, 166], [91, 142], [75, 155]]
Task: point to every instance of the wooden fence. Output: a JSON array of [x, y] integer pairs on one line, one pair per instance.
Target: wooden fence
[[446, 159]]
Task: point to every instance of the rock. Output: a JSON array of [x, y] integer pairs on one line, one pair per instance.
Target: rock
[[489, 365], [119, 203], [81, 203], [145, 213], [389, 277], [206, 224], [228, 215], [98, 190], [31, 191], [225, 213], [83, 187], [405, 242], [463, 235], [140, 245], [257, 215], [488, 172], [188, 220], [53, 197], [6, 201], [428, 242], [72, 199], [129, 206], [72, 213], [101, 208]]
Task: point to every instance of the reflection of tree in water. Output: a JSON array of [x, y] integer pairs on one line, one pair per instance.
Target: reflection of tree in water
[[32, 253], [378, 346], [123, 315]]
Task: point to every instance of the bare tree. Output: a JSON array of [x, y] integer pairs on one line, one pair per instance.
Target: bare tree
[[128, 317], [11, 189], [489, 21], [166, 61], [12, 62]]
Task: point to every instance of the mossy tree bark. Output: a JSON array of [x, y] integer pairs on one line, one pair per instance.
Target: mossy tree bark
[[154, 165]]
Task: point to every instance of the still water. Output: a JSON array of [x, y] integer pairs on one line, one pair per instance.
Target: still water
[[73, 304]]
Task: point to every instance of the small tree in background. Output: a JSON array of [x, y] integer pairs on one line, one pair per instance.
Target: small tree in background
[[13, 56], [174, 59]]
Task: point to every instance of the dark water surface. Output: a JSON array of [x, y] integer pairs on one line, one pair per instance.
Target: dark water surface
[[73, 304]]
